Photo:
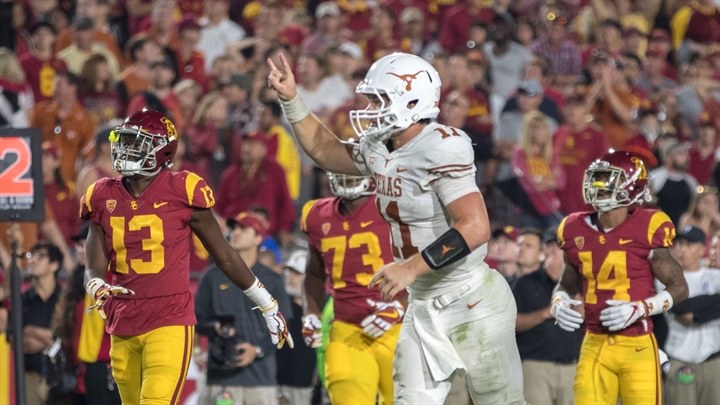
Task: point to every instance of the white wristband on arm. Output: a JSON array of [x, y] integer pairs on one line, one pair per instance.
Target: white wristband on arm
[[94, 285], [659, 303], [260, 296], [295, 110]]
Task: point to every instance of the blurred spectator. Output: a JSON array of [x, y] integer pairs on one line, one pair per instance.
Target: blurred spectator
[[136, 77], [59, 19], [455, 25], [211, 145], [703, 153], [654, 80], [190, 62], [285, 151], [90, 9], [660, 39], [218, 31], [96, 91], [242, 364], [609, 44], [187, 92], [524, 32], [40, 64], [319, 94], [633, 69], [338, 121], [696, 27], [257, 180], [241, 111], [328, 30], [454, 113], [577, 145], [646, 141], [101, 165], [59, 192], [66, 123], [697, 88], [632, 41], [351, 59], [693, 340], [466, 73], [673, 187], [549, 354], [382, 39], [83, 47], [161, 28], [413, 37], [610, 99], [540, 172], [530, 253], [16, 97], [553, 99], [561, 52], [137, 11], [296, 367], [506, 58], [160, 96], [505, 252], [703, 212], [19, 19], [38, 306]]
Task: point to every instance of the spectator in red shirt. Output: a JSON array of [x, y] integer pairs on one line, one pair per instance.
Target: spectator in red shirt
[[467, 72], [40, 64], [188, 93], [576, 144], [191, 63], [160, 96], [96, 93], [382, 40], [456, 24], [260, 181], [162, 28], [703, 155], [59, 192]]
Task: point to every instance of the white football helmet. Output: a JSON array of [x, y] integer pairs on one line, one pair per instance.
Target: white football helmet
[[350, 187], [411, 87]]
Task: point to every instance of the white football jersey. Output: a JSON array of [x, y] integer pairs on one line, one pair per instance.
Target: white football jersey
[[415, 212]]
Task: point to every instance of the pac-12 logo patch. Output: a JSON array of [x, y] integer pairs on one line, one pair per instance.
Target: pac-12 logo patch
[[111, 204], [326, 228], [580, 242]]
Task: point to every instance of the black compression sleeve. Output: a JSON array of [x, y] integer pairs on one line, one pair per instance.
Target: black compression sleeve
[[446, 250]]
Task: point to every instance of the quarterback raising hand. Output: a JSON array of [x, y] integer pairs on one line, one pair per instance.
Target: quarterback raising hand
[[282, 80]]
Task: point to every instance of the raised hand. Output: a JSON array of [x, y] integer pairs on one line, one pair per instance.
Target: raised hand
[[282, 80]]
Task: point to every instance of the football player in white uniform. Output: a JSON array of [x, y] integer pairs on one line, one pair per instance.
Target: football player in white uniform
[[461, 314]]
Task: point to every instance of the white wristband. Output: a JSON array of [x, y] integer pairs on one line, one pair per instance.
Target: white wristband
[[260, 296], [295, 109], [659, 303], [94, 285]]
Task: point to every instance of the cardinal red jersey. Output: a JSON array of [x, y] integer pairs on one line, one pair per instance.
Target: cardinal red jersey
[[615, 263], [353, 248], [41, 75], [147, 239]]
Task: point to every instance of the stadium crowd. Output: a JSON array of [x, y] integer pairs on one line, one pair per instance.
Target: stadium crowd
[[543, 89]]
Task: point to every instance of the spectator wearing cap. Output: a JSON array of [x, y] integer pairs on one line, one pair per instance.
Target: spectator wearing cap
[[83, 47], [190, 62], [671, 184], [654, 80], [41, 58], [506, 58], [467, 71], [160, 96], [660, 39], [296, 367], [703, 154], [553, 98], [238, 91], [539, 171], [286, 152], [97, 92], [548, 353], [455, 25], [328, 30], [413, 34], [95, 10], [136, 77], [218, 31], [693, 342], [646, 141], [561, 52], [633, 41], [66, 123], [505, 252], [220, 303], [59, 192], [351, 60], [101, 164], [577, 144], [257, 180]]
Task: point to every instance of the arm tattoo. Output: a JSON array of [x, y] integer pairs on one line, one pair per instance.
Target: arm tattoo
[[570, 281], [669, 272]]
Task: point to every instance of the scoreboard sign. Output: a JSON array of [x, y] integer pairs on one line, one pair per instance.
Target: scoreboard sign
[[22, 196]]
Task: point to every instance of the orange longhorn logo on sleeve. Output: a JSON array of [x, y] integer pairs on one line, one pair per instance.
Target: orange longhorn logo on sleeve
[[408, 79], [446, 249]]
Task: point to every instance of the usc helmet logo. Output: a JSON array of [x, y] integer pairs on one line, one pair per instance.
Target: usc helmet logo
[[171, 131], [639, 165]]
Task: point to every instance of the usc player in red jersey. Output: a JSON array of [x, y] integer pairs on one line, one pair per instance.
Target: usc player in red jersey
[[349, 241], [142, 222], [612, 256]]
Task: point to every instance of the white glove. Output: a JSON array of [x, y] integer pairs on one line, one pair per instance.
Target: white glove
[[277, 326], [385, 316], [565, 317], [101, 292], [621, 314], [311, 331]]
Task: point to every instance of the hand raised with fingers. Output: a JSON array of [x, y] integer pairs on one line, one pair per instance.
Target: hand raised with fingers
[[282, 79]]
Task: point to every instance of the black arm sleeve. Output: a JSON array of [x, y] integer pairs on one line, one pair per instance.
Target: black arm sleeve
[[705, 308]]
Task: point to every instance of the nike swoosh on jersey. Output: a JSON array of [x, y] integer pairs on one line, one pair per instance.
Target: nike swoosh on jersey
[[471, 306], [625, 241], [158, 205], [639, 349], [365, 224], [400, 170], [224, 286]]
